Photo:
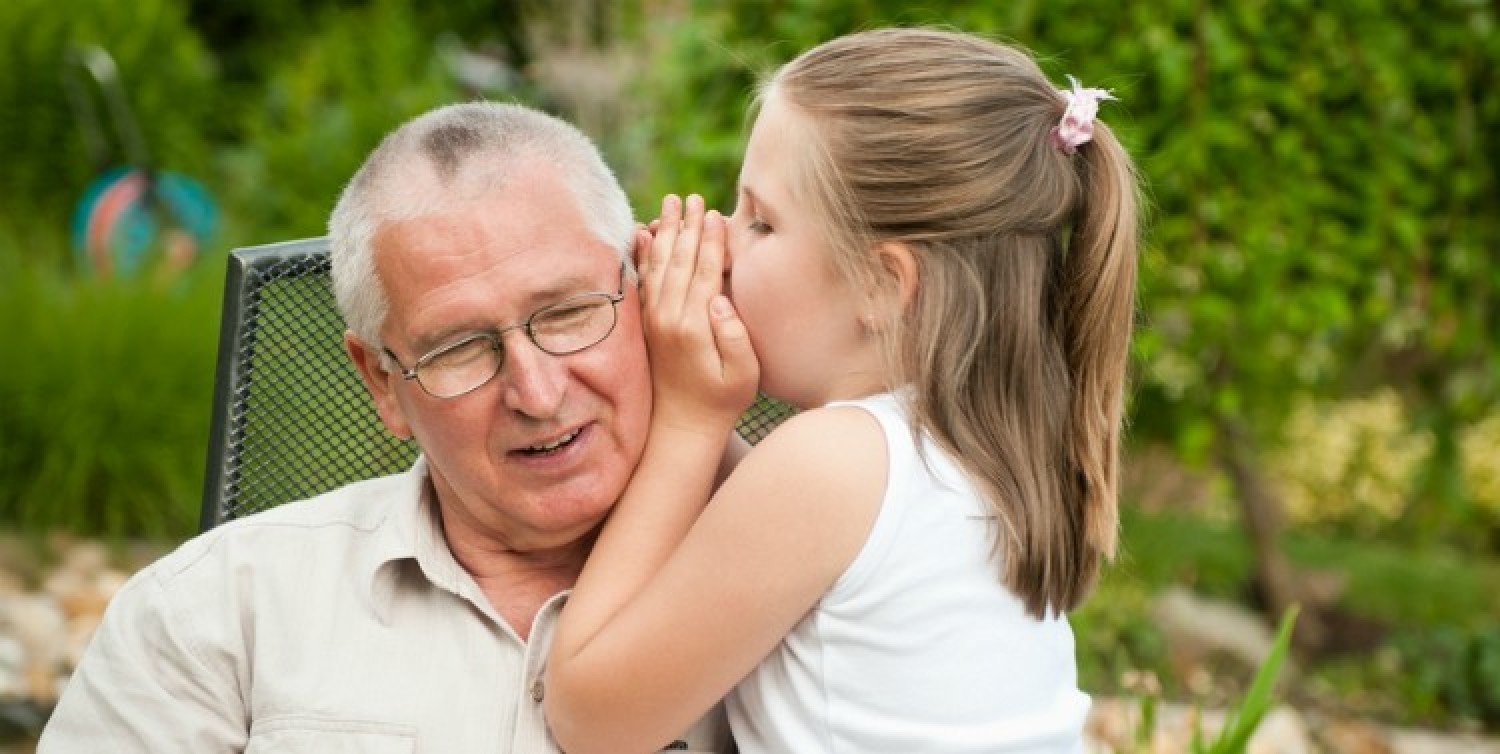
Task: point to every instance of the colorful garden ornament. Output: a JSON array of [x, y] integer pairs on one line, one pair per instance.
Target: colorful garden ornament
[[132, 214]]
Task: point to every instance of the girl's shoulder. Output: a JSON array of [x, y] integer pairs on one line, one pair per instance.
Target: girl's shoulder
[[814, 486], [826, 437], [835, 455]]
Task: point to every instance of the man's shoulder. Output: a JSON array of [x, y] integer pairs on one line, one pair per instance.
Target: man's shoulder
[[295, 532], [364, 504]]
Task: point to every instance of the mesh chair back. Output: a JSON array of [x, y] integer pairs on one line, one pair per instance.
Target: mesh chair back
[[291, 418]]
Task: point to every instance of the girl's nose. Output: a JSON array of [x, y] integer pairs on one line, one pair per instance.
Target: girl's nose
[[731, 240]]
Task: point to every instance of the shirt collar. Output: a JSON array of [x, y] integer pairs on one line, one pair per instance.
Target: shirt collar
[[412, 544], [411, 535]]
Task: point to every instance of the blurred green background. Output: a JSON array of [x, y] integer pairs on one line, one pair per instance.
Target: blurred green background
[[1314, 414]]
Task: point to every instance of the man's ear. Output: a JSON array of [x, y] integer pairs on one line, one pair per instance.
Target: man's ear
[[379, 381]]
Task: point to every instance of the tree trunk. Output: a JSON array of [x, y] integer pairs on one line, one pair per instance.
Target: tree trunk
[[1275, 580]]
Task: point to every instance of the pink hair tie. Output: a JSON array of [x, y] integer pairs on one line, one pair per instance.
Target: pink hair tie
[[1077, 124]]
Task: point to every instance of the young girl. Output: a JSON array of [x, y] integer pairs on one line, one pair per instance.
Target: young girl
[[933, 254]]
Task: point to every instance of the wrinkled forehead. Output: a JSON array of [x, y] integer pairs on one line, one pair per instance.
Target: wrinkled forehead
[[420, 184], [521, 244]]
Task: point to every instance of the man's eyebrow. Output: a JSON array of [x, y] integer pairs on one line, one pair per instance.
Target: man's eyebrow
[[569, 285], [428, 342], [555, 291]]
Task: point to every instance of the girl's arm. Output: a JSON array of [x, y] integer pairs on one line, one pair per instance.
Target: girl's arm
[[733, 454], [664, 621], [774, 538], [699, 387]]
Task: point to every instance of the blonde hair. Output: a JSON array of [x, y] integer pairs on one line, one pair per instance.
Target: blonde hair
[[1017, 340]]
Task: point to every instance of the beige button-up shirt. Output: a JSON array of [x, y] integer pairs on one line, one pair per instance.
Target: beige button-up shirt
[[337, 624]]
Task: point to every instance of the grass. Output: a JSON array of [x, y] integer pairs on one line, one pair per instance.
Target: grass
[[1415, 588], [105, 400], [1427, 587], [1438, 663]]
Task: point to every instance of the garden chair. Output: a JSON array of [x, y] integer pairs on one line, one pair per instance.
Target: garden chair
[[291, 418]]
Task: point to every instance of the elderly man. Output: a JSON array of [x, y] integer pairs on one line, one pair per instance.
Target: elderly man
[[481, 260]]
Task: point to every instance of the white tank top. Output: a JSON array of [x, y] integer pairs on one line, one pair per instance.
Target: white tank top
[[917, 647]]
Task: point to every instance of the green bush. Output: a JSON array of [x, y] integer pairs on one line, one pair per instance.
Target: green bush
[[323, 108], [1352, 465], [1455, 670], [1116, 640], [105, 402]]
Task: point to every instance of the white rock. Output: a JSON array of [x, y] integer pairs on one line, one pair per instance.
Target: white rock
[[38, 623], [1213, 625], [12, 668], [1426, 742], [1282, 731]]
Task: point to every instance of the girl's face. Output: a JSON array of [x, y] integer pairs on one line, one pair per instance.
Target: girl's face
[[804, 321]]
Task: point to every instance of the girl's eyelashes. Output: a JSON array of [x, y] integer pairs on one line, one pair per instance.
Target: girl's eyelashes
[[753, 221]]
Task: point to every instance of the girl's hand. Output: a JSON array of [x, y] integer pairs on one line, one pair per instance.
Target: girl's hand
[[703, 371]]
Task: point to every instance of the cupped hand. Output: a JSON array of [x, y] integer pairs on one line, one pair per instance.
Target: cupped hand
[[703, 370]]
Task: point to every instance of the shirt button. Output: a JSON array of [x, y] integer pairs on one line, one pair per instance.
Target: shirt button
[[537, 691]]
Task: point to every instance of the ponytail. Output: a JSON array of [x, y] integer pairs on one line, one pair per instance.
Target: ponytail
[[1098, 308]]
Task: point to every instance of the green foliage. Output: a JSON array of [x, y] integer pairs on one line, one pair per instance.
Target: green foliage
[[1244, 715], [1478, 454], [1445, 675], [1430, 586], [361, 73], [106, 401], [251, 38], [1357, 465], [1115, 639], [1351, 465], [1234, 737], [167, 78], [1425, 586], [684, 132], [1438, 665], [1322, 224], [1452, 670], [1173, 548]]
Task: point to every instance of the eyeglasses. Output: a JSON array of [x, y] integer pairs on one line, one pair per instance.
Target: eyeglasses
[[568, 326]]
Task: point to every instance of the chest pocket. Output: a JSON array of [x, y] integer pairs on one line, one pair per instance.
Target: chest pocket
[[310, 735]]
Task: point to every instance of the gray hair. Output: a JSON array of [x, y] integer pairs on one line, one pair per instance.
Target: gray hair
[[453, 152]]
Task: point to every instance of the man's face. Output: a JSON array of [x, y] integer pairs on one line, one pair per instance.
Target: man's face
[[478, 266]]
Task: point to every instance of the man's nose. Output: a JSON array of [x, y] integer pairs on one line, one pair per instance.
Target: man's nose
[[535, 381]]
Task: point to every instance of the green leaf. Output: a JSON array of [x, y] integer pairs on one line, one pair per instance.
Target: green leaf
[[1242, 721]]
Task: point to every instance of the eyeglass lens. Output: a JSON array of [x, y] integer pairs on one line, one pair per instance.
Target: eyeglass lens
[[559, 329]]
